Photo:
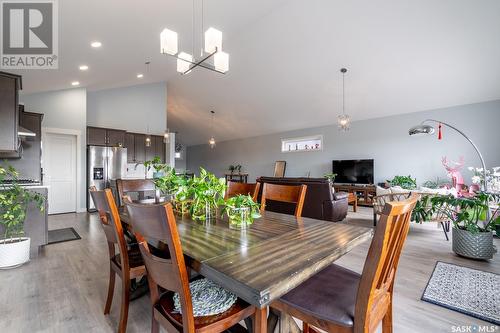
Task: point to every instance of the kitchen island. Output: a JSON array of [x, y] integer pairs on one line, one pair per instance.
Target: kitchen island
[[36, 223]]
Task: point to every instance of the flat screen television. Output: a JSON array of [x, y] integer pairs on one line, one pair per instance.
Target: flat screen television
[[353, 171]]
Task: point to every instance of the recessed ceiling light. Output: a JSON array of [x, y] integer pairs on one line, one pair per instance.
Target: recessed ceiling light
[[140, 76], [96, 44], [84, 67], [75, 83]]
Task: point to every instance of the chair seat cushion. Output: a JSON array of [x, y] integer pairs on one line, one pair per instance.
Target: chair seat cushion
[[166, 307], [329, 295], [134, 258]]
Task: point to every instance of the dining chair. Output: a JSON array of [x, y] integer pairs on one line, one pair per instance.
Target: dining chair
[[279, 169], [284, 193], [128, 186], [339, 300], [236, 188], [128, 263], [167, 270]]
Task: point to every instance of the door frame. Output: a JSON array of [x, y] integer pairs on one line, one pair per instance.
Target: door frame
[[79, 171]]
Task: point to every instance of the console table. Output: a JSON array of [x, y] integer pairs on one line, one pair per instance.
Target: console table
[[237, 177], [364, 194]]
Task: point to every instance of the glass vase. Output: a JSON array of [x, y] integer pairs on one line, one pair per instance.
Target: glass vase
[[239, 218]]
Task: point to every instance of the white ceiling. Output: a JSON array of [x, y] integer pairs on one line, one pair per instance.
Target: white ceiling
[[403, 56]]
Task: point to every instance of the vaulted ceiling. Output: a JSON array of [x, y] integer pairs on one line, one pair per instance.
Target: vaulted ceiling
[[285, 56]]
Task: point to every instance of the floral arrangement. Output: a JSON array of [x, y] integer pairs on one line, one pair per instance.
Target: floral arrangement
[[493, 177]]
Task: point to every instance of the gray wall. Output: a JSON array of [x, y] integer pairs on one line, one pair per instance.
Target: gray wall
[[384, 139], [130, 108], [63, 109]]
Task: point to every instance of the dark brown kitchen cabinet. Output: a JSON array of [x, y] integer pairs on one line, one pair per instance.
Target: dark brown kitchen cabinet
[[96, 136], [130, 145], [140, 148], [9, 111], [159, 147], [115, 138]]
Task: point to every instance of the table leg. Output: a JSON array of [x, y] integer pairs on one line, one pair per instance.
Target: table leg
[[260, 322]]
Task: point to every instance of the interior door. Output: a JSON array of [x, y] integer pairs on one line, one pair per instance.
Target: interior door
[[59, 163]]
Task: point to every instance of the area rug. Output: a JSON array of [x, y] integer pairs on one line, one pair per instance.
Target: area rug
[[466, 290], [63, 235]]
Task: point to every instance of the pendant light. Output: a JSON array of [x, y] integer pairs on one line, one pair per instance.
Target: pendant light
[[148, 138], [343, 120], [211, 141]]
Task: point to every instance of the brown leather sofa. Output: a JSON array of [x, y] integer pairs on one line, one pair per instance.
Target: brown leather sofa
[[320, 202]]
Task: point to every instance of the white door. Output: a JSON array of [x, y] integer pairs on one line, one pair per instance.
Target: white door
[[59, 167]]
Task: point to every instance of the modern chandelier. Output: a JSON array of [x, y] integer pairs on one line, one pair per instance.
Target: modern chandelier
[[212, 49], [343, 120]]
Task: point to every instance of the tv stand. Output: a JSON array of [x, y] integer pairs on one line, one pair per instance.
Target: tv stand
[[364, 193]]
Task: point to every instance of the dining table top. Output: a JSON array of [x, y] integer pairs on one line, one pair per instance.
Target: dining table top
[[268, 258]]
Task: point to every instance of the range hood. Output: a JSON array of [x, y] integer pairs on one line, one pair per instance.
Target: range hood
[[23, 132]]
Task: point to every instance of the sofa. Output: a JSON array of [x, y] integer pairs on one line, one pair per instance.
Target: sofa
[[320, 201]]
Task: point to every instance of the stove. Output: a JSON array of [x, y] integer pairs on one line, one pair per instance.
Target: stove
[[23, 182]]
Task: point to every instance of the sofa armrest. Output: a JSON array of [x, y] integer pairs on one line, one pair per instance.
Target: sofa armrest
[[340, 195], [335, 210]]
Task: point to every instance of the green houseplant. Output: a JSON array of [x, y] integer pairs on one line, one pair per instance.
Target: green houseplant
[[207, 192], [330, 176], [405, 182], [14, 200], [472, 225], [241, 210]]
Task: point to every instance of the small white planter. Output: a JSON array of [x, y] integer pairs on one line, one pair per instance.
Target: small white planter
[[14, 252]]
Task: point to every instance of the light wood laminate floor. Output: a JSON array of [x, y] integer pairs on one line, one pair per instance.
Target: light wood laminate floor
[[64, 289]]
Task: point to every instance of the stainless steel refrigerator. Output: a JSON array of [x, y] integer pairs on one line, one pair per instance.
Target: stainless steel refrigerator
[[104, 166]]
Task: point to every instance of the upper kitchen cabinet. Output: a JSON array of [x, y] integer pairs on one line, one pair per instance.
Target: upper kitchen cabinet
[[96, 136], [159, 147], [130, 145], [116, 138], [140, 148], [10, 84]]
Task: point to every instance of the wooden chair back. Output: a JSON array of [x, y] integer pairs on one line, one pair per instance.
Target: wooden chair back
[[279, 169], [111, 224], [284, 193], [236, 188], [374, 298], [157, 223], [127, 186]]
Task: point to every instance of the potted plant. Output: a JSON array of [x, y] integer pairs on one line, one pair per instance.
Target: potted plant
[[472, 228], [207, 192], [232, 168], [405, 182], [14, 200], [330, 177], [241, 210], [181, 189], [237, 168]]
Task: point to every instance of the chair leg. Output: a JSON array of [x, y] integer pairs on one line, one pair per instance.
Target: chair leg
[[155, 326], [125, 304], [305, 327], [387, 320], [445, 231], [111, 290], [374, 219]]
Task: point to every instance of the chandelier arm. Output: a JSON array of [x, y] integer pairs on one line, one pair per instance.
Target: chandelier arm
[[200, 62]]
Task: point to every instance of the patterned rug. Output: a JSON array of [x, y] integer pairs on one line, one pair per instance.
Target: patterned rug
[[466, 290]]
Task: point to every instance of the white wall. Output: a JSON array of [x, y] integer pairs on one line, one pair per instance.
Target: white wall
[[63, 109], [130, 108], [384, 139]]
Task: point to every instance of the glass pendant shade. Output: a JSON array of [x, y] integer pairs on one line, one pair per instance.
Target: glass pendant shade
[[166, 137], [221, 61], [211, 142], [148, 141], [182, 65], [168, 42], [213, 40], [344, 122]]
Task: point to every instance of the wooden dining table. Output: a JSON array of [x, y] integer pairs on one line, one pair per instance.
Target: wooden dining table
[[262, 262]]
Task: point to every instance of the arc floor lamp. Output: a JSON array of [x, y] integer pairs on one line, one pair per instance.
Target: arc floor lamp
[[426, 129]]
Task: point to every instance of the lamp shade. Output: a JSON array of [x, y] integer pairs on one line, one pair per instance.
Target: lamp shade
[[421, 129], [168, 42], [221, 61], [211, 142], [183, 65], [213, 40]]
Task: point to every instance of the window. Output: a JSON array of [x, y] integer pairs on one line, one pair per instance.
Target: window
[[309, 143]]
